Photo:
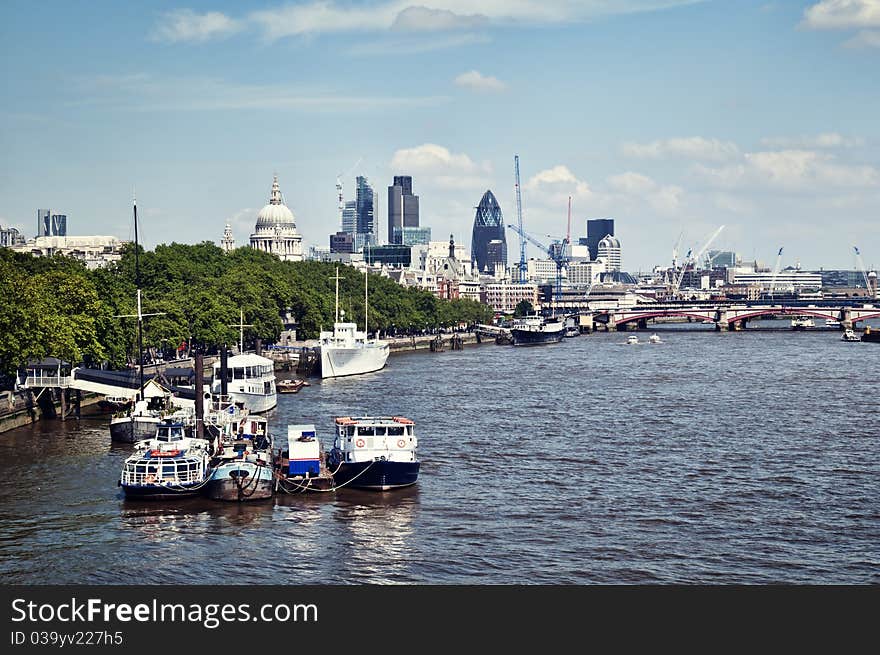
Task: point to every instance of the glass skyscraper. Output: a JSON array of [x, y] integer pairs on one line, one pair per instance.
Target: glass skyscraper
[[488, 241], [403, 208]]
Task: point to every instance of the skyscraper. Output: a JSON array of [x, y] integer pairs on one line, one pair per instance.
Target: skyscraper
[[364, 217], [598, 229], [488, 241], [51, 225], [403, 208], [349, 217]]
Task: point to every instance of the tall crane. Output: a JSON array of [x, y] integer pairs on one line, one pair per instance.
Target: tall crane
[[556, 251], [775, 272], [693, 259], [522, 235], [861, 265]]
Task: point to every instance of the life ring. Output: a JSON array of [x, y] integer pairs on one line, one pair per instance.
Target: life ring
[[401, 443], [360, 443]]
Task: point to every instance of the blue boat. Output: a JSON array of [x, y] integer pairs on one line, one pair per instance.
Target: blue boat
[[244, 467], [374, 452], [170, 465]]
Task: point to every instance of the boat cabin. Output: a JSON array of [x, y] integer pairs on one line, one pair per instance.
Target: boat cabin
[[304, 450], [367, 438]]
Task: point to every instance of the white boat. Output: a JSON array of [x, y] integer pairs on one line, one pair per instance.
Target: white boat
[[849, 335], [250, 380], [802, 323], [832, 324], [170, 465], [632, 339], [374, 452], [654, 339], [348, 351]]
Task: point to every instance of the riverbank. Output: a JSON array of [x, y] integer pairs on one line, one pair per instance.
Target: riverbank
[[20, 408]]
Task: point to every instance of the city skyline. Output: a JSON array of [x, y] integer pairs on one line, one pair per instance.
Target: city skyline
[[668, 116]]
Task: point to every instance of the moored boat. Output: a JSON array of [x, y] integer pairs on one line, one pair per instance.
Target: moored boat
[[170, 465], [290, 386], [243, 467], [802, 323], [250, 380], [374, 452], [536, 330], [347, 351], [870, 335]]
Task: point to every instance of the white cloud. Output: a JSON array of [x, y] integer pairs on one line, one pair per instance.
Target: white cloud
[[476, 81], [411, 44], [694, 147], [632, 183], [843, 14], [446, 169], [793, 171], [425, 19], [183, 25], [824, 140], [327, 16]]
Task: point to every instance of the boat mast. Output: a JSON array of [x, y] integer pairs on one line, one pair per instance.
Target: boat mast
[[137, 284], [336, 277]]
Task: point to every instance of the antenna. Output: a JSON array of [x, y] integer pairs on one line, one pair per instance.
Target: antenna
[[568, 231], [241, 326]]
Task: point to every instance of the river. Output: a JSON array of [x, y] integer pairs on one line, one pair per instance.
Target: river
[[709, 458]]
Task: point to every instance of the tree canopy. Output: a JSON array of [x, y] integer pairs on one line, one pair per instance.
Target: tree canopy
[[55, 306]]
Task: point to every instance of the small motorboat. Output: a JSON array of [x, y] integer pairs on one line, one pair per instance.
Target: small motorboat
[[654, 339], [632, 340], [290, 386], [849, 335]]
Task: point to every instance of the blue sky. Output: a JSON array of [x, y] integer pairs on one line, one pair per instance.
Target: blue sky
[[670, 116]]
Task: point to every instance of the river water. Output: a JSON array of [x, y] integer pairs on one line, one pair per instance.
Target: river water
[[710, 458]]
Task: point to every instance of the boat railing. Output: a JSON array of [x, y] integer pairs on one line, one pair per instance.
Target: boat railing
[[156, 472]]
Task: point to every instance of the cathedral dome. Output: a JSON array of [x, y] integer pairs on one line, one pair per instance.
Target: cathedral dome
[[276, 213]]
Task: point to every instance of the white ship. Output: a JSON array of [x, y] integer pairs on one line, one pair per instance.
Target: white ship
[[250, 380], [346, 350]]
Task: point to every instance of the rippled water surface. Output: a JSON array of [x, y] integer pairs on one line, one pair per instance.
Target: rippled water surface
[[709, 458]]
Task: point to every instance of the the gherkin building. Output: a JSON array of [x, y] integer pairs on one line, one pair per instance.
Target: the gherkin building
[[488, 243]]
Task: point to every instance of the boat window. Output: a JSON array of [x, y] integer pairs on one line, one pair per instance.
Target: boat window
[[141, 468], [168, 470], [349, 430], [237, 374], [409, 430], [395, 430], [380, 430], [152, 468], [366, 430]]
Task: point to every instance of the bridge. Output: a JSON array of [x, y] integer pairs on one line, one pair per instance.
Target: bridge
[[730, 316]]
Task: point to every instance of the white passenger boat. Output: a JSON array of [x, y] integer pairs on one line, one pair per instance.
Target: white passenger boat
[[654, 339], [250, 380], [802, 323], [346, 350], [170, 465], [632, 339]]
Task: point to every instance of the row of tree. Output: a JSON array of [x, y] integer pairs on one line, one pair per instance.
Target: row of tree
[[55, 306]]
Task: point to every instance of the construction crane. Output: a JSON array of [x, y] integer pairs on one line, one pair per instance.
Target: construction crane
[[556, 251], [519, 219], [693, 259], [775, 272], [861, 264]]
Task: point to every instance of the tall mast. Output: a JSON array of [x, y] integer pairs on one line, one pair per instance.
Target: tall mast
[[336, 277], [137, 283]]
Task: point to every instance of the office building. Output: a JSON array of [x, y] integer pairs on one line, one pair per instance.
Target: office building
[[403, 208], [597, 229], [488, 241]]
